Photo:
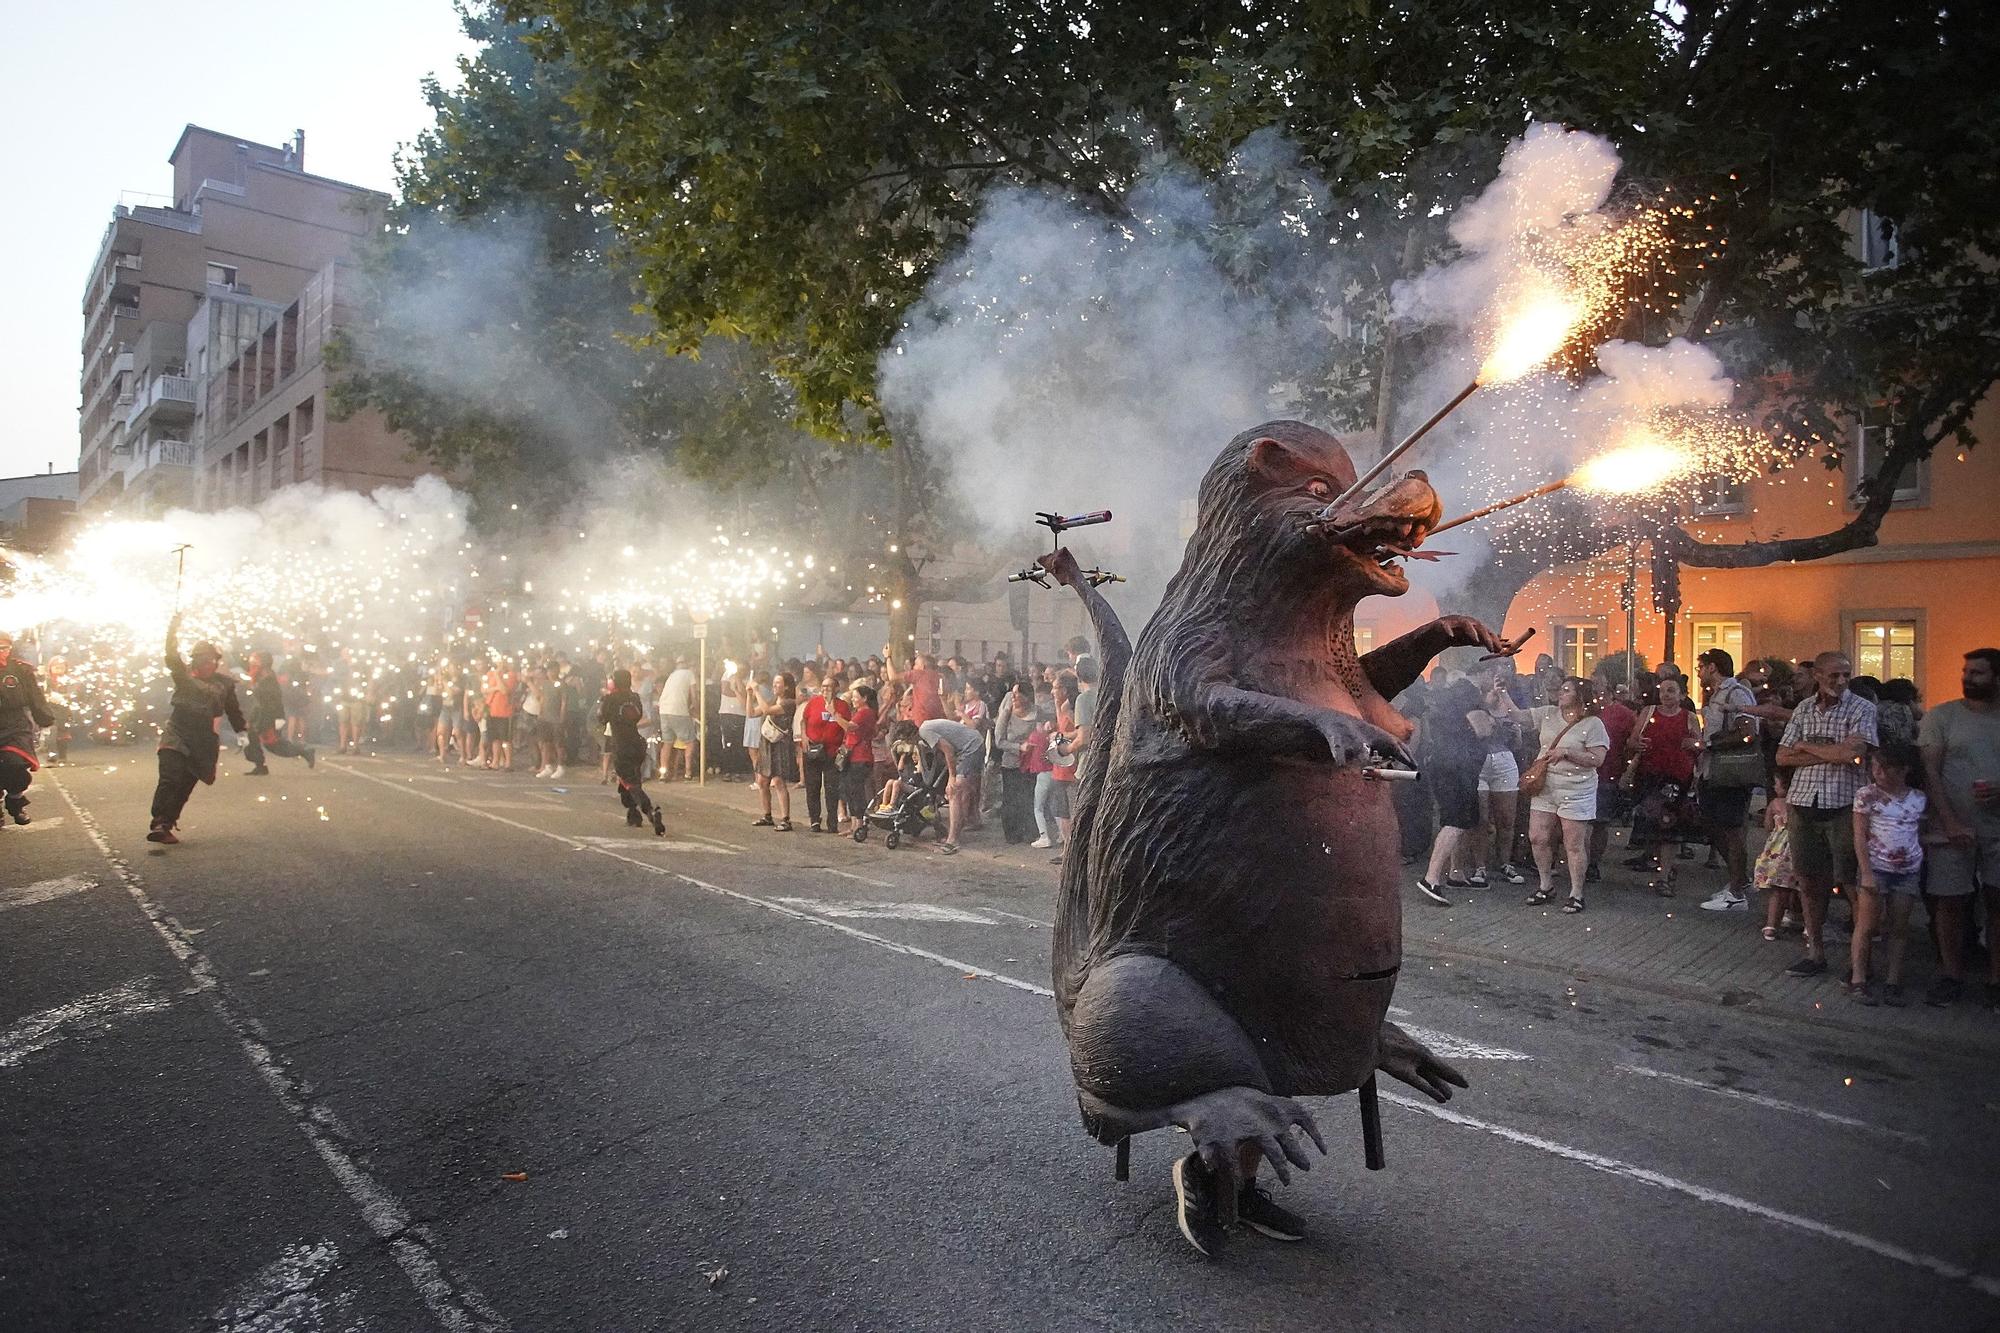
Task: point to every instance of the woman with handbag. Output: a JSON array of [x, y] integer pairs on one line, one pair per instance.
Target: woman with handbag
[[1014, 721], [778, 760], [1561, 786]]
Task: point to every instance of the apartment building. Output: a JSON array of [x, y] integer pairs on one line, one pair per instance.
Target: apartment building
[[186, 294]]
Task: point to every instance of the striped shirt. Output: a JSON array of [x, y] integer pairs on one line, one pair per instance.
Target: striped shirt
[[1823, 786]]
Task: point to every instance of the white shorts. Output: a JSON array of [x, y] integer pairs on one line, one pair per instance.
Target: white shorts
[[1580, 805], [1500, 773]]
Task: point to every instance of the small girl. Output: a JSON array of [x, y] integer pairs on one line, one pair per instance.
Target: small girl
[[1887, 815], [906, 754]]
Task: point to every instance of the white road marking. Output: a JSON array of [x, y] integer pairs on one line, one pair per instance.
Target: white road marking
[[889, 911], [1031, 920], [1773, 1103], [413, 1245], [649, 843], [47, 890], [1448, 1047], [507, 804], [1612, 1166], [969, 970], [858, 879], [281, 1299], [90, 1016]]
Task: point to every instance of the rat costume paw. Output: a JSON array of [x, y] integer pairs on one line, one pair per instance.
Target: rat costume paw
[[1060, 564], [1408, 1060], [1467, 632], [1225, 1121], [1349, 740]]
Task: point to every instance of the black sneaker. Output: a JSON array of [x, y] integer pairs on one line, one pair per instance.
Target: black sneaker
[[1452, 881], [258, 772], [1256, 1211], [814, 827], [632, 819], [659, 823], [1944, 991], [1197, 1206], [1807, 967], [1432, 892], [1477, 879]]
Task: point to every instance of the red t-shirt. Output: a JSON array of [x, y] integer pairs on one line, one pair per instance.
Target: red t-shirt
[[926, 695], [820, 728], [1618, 723], [861, 748], [1666, 757], [500, 693]]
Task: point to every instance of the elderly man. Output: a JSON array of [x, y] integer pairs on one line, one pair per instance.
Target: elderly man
[[1960, 741], [188, 743], [1825, 745]]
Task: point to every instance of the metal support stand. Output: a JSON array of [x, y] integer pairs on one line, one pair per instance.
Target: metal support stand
[[1121, 1168], [1371, 1126]]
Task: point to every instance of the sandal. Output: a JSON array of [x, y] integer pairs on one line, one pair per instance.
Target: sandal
[[1540, 896], [765, 822], [1572, 906], [1770, 934], [784, 826]]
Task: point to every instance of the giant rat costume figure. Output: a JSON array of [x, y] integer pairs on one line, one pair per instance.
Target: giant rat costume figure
[[1230, 919]]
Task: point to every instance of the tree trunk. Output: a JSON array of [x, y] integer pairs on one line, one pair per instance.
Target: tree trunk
[[905, 603]]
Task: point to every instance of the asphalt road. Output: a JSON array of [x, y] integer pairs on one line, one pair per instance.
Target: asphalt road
[[283, 1077]]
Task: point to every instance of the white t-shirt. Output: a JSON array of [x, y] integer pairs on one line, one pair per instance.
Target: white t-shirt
[[677, 695], [1568, 778], [1894, 824]]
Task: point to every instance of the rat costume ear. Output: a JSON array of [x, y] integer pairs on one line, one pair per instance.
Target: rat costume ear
[[1275, 459]]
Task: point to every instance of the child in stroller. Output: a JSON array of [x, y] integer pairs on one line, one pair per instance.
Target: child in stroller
[[913, 800]]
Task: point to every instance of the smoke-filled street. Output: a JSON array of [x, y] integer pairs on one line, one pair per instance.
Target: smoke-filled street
[[384, 1047]]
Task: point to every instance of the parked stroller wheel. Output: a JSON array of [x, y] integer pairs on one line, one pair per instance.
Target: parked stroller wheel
[[894, 840], [861, 833]]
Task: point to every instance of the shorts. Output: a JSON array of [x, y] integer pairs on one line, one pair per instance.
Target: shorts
[[1500, 773], [971, 764], [499, 730], [1058, 802], [1908, 883], [677, 731], [1456, 791], [1579, 806], [547, 733], [1822, 846], [1957, 871], [1724, 808]]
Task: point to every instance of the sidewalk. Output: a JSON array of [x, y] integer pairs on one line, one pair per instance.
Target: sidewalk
[[1627, 937]]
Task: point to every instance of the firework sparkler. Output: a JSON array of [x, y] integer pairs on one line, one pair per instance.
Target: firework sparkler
[[1643, 465]]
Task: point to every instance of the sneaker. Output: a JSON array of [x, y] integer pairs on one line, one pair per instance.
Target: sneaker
[[1892, 994], [1789, 921], [261, 771], [659, 823], [543, 771], [1477, 879], [814, 827], [1864, 994], [1041, 844], [1456, 882], [1512, 875], [633, 819], [162, 833], [1726, 900], [312, 757], [1807, 967], [557, 771], [1432, 892], [1196, 1196], [1255, 1210], [1944, 991]]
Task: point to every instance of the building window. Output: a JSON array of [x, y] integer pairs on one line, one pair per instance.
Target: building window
[[1873, 435], [1726, 633], [1885, 649], [222, 275], [1722, 495], [1578, 646], [1364, 639], [1875, 241]]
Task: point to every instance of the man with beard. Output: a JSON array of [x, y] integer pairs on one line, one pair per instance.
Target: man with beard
[[23, 710], [1960, 741], [267, 718], [188, 743], [621, 710]]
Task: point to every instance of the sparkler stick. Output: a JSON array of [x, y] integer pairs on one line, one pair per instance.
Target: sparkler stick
[[1361, 483], [180, 568], [1547, 488]]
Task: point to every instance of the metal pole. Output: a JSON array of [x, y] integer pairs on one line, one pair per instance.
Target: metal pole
[[1371, 1127], [1631, 613], [701, 705]]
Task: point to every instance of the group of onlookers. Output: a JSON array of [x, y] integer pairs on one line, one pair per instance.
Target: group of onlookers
[[1868, 797]]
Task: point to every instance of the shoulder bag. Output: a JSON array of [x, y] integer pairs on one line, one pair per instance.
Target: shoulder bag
[[1537, 777], [1735, 758]]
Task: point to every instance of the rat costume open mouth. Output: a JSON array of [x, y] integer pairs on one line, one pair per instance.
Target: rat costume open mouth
[[1385, 532]]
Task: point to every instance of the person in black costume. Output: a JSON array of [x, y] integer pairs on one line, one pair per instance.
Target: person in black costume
[[622, 710], [23, 711], [188, 743], [267, 720]]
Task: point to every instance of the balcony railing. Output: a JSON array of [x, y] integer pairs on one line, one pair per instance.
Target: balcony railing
[[167, 390], [163, 456]]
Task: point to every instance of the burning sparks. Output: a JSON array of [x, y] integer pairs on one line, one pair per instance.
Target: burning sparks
[[1644, 465], [1532, 332]]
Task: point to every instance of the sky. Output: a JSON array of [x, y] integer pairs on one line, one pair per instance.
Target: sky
[[98, 92]]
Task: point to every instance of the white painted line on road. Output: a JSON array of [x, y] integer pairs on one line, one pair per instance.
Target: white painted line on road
[[1031, 920], [281, 1299], [885, 884], [90, 1016], [44, 891], [415, 1248], [970, 970], [1773, 1103], [1612, 1166], [649, 843], [1449, 1047], [889, 911]]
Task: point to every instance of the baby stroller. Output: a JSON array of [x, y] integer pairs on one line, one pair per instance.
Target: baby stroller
[[920, 803], [1665, 815]]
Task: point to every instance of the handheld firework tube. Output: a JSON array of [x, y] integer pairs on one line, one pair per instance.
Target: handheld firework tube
[[1215, 958]]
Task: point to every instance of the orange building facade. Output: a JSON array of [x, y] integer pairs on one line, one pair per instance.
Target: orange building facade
[[1912, 605]]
